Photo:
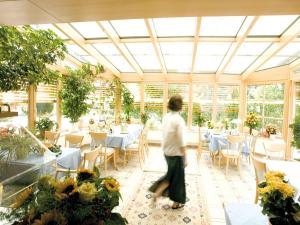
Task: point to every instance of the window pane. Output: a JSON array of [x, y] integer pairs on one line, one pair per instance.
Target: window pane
[[89, 30], [255, 92], [277, 61], [255, 107], [228, 102], [135, 90], [292, 49], [183, 90], [154, 102], [50, 27], [145, 56], [207, 64], [202, 100], [213, 48], [221, 25], [177, 56], [297, 89], [252, 48], [130, 28], [273, 110], [271, 25], [274, 92], [77, 52], [113, 55], [239, 64], [167, 27]]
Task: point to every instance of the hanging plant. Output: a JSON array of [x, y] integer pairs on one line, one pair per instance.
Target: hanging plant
[[24, 56], [75, 91]]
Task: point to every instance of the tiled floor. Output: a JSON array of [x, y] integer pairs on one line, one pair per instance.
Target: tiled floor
[[217, 187]]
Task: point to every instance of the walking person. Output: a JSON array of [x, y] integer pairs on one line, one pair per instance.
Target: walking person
[[172, 184]]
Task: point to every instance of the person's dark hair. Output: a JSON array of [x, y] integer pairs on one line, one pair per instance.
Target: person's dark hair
[[175, 103]]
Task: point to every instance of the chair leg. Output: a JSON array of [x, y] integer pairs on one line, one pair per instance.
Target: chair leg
[[256, 196], [238, 165], [124, 160], [140, 159], [220, 160], [115, 160], [105, 162], [227, 163]]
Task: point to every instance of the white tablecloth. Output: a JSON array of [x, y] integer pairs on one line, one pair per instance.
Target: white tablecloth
[[292, 171]]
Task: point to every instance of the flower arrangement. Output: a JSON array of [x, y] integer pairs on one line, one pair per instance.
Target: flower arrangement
[[251, 121], [271, 129], [91, 121], [85, 200], [144, 118], [277, 200], [56, 149], [44, 124], [200, 119]]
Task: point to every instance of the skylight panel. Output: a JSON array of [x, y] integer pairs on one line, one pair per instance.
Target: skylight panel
[[90, 59], [272, 25], [77, 52], [277, 61], [177, 56], [239, 64], [109, 51], [175, 27], [130, 28], [207, 63], [213, 48], [291, 49], [69, 64], [50, 27], [221, 26], [145, 56], [89, 30], [252, 48]]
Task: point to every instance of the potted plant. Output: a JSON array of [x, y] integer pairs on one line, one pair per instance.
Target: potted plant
[[251, 121], [84, 200], [76, 88], [226, 123], [44, 124], [277, 201], [271, 131], [210, 124], [127, 103], [144, 118]]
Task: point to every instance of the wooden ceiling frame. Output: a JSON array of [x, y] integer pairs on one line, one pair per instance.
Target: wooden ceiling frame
[[295, 64], [68, 30], [245, 29], [115, 40], [289, 35], [155, 43], [195, 47]]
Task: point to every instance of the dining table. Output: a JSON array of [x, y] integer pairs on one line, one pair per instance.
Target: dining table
[[215, 137], [121, 137], [291, 170]]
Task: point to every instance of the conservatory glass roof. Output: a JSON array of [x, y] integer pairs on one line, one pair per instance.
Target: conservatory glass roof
[[234, 45]]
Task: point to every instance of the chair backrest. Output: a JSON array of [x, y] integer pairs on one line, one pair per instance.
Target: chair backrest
[[235, 142], [90, 157], [52, 137], [98, 138], [259, 168], [275, 149], [73, 140], [252, 145]]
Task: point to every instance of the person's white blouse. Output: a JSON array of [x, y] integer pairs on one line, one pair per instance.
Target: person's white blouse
[[173, 126]]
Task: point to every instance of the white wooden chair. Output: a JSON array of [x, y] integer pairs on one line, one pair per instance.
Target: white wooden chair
[[260, 170], [89, 159], [99, 142], [51, 137], [275, 149], [202, 146], [232, 150], [73, 140]]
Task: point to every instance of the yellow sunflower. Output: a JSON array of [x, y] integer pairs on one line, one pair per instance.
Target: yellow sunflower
[[22, 197], [87, 192], [46, 182], [85, 174], [52, 217], [111, 184], [65, 188]]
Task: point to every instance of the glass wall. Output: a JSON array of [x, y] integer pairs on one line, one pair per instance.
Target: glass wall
[[297, 96], [202, 100], [268, 102], [154, 95], [183, 90], [18, 101], [135, 90], [228, 100], [46, 101]]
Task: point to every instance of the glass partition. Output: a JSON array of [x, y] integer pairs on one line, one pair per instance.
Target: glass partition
[[183, 90]]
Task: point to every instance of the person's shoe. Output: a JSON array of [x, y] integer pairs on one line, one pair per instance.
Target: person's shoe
[[177, 205]]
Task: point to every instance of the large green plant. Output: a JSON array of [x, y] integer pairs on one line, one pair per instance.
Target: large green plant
[[127, 102], [200, 119], [75, 91], [24, 56], [296, 131]]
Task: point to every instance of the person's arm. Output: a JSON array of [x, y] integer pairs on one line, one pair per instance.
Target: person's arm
[[180, 135]]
